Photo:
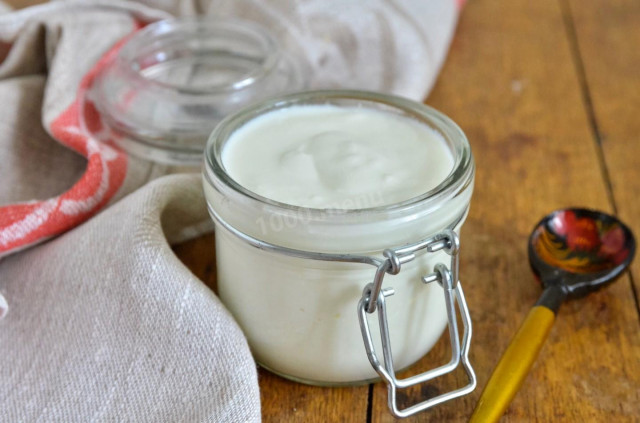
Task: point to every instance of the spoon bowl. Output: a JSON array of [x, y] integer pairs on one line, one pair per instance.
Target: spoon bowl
[[580, 250]]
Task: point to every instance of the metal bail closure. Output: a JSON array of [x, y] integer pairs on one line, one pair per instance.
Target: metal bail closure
[[448, 280]]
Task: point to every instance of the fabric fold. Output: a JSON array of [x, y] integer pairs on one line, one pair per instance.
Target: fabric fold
[[118, 327], [62, 42]]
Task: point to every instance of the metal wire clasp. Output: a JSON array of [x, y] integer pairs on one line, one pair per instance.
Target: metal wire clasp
[[374, 297]]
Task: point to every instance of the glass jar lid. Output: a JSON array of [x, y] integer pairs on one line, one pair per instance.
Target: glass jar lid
[[174, 80]]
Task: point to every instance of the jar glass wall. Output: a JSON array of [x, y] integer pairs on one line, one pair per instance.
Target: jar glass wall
[[299, 313]]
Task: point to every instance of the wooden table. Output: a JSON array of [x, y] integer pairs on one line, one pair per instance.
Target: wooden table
[[548, 93]]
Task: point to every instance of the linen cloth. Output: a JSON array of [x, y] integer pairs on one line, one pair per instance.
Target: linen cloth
[[106, 324]]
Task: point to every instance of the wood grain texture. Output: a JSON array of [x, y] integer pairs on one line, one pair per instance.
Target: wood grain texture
[[514, 84], [21, 4], [286, 401], [607, 38]]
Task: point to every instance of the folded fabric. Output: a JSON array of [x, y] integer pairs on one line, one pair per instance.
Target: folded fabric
[[108, 325], [51, 54]]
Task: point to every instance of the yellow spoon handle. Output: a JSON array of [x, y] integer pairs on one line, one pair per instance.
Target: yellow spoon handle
[[514, 365]]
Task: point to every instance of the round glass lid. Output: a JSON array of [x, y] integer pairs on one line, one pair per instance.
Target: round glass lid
[[173, 81]]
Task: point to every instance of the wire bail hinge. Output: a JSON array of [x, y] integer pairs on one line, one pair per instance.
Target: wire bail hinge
[[374, 298]]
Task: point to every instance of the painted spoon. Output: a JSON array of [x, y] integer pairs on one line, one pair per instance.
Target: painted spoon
[[573, 252]]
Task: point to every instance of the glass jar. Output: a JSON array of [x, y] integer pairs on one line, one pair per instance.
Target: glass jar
[[304, 283], [173, 81]]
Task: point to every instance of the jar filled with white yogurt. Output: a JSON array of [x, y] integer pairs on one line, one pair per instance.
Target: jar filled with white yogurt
[[337, 215]]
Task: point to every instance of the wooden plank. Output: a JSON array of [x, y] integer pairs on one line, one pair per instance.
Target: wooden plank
[[511, 84], [285, 401], [21, 4], [282, 400], [607, 46], [199, 255]]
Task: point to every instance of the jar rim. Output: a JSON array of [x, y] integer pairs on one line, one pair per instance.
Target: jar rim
[[460, 176], [195, 26]]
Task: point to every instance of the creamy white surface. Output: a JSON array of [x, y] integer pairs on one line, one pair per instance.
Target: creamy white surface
[[325, 156]]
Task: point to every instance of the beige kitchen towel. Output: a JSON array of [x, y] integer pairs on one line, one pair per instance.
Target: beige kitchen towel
[[393, 46], [107, 325]]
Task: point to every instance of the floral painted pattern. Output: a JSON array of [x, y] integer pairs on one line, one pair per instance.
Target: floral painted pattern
[[578, 242]]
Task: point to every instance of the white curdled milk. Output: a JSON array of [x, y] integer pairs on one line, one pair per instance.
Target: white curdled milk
[[324, 156]]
